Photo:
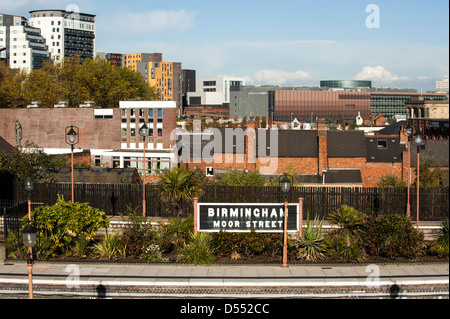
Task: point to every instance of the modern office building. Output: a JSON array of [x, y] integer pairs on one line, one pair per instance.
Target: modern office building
[[214, 91], [132, 59], [345, 84], [23, 46], [308, 104], [442, 86], [116, 59], [66, 33]]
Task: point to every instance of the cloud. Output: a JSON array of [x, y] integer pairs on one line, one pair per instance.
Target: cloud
[[380, 74], [141, 23], [277, 77]]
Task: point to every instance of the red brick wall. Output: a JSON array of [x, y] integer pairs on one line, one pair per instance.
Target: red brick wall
[[46, 127]]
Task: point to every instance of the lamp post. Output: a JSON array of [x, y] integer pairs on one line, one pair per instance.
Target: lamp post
[[28, 186], [29, 235], [72, 138], [409, 130], [285, 184], [418, 141], [143, 131]]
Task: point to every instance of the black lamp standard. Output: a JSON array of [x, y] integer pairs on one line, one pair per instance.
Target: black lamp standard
[[29, 235], [143, 131], [285, 184], [418, 141], [72, 138], [408, 131]]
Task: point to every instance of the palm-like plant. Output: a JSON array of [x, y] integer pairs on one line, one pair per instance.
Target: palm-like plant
[[347, 237], [443, 238], [177, 185], [312, 244]]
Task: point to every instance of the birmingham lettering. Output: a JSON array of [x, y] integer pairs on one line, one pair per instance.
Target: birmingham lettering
[[249, 214]]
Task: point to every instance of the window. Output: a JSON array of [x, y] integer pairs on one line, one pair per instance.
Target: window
[[160, 113], [209, 83], [381, 144]]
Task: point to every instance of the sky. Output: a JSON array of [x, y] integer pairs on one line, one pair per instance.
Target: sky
[[393, 43]]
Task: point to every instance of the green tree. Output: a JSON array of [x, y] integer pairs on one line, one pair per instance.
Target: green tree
[[391, 181], [33, 161], [430, 172], [11, 93], [241, 178], [73, 81], [179, 184]]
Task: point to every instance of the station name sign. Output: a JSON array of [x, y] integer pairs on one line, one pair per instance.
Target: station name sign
[[231, 217]]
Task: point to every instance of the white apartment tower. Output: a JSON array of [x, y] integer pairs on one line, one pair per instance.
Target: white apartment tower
[[442, 86], [67, 33], [23, 47]]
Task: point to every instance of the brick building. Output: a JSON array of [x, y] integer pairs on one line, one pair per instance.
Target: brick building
[[111, 136], [334, 158]]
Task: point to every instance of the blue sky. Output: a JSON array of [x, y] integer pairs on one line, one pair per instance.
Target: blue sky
[[285, 42]]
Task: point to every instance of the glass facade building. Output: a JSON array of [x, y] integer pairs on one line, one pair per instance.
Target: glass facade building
[[393, 104], [345, 84]]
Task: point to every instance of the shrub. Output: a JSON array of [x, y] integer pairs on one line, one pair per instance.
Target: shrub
[[198, 250], [175, 233], [346, 239], [137, 232], [392, 236], [110, 247], [312, 244], [252, 243], [443, 236], [66, 221], [152, 253]]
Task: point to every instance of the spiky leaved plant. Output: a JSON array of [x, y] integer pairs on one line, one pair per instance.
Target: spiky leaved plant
[[312, 245]]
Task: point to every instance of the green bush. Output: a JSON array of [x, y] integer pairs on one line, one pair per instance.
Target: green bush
[[312, 246], [110, 247], [152, 253], [443, 237], [345, 241], [392, 236], [198, 250], [137, 232], [253, 243], [64, 222]]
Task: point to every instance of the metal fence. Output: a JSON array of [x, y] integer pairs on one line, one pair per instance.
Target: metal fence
[[115, 198]]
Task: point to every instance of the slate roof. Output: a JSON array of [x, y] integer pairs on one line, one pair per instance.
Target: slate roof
[[393, 129], [344, 176], [437, 149], [291, 143], [346, 144], [5, 146], [377, 153]]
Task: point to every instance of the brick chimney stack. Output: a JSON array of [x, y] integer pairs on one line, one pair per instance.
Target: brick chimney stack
[[250, 161], [323, 144]]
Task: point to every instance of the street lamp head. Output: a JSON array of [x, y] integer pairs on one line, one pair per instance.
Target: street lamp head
[[408, 129], [29, 236], [28, 183], [143, 131], [72, 135], [418, 138], [285, 184]]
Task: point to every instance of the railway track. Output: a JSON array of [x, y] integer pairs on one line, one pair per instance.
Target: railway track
[[52, 286]]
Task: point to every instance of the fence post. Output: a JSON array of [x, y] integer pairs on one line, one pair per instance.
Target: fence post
[[300, 217], [195, 215]]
